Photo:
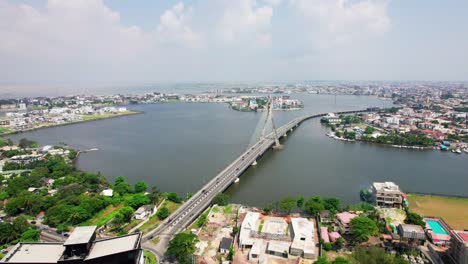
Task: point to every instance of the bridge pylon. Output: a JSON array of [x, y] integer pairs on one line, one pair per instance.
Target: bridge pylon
[[269, 119]]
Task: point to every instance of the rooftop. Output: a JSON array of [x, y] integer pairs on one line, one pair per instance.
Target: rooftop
[[113, 246], [388, 186], [345, 217], [462, 234], [412, 228], [225, 243], [34, 253], [81, 235]]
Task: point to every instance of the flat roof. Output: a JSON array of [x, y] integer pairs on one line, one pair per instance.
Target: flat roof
[[412, 228], [113, 246], [35, 253], [81, 235], [278, 246]]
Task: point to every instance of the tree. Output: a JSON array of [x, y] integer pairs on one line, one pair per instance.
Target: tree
[[173, 197], [221, 199], [339, 243], [137, 200], [322, 260], [122, 187], [202, 220], [314, 206], [154, 195], [30, 235], [288, 203], [78, 215], [332, 203], [182, 246], [369, 130], [25, 143], [300, 202], [363, 227], [414, 219], [7, 233], [20, 224], [123, 216], [163, 213], [235, 230], [327, 246], [231, 254], [140, 187]]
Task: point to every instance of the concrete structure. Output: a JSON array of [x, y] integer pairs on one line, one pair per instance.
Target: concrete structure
[[107, 192], [458, 251], [250, 224], [80, 247], [144, 211], [343, 220], [386, 194], [411, 232], [302, 231], [278, 248], [193, 207]]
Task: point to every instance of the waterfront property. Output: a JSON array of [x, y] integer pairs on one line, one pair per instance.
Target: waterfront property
[[81, 247], [343, 220], [411, 232], [459, 247], [438, 231], [386, 194], [278, 236]]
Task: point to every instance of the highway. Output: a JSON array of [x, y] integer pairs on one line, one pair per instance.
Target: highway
[[193, 207]]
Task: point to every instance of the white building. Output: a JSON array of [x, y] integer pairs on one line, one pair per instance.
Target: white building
[[250, 223], [107, 192], [303, 243]]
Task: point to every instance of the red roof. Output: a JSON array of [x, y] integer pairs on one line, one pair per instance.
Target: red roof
[[463, 235]]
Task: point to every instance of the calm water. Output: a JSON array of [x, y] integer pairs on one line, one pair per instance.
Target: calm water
[[179, 147]]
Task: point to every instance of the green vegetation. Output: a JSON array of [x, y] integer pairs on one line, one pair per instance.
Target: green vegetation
[[163, 213], [173, 197], [4, 130], [25, 143], [182, 246], [452, 209], [202, 220], [288, 203], [221, 199], [363, 227], [407, 139], [150, 257], [19, 230], [414, 219], [375, 255]]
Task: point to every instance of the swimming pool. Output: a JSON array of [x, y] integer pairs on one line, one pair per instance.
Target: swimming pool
[[436, 227]]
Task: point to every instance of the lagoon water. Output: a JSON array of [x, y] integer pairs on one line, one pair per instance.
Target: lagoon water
[[179, 147]]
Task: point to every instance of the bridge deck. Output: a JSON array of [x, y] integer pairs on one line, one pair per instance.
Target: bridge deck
[[193, 207]]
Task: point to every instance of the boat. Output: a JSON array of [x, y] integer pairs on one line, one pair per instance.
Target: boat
[[237, 180], [458, 151], [466, 151]]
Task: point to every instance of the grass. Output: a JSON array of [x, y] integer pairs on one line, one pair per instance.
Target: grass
[[153, 222], [150, 257], [132, 224], [260, 227], [452, 209], [4, 130], [104, 216], [227, 209]]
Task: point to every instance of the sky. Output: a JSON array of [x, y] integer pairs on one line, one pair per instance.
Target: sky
[[105, 42]]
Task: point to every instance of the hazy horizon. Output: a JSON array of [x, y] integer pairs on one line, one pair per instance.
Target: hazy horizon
[[68, 46]]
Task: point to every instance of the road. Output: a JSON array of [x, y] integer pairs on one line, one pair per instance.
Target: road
[[193, 207]]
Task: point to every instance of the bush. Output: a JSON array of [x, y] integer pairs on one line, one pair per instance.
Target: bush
[[163, 213], [173, 197]]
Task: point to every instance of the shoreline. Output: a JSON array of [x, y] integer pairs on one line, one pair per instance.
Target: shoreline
[[73, 123]]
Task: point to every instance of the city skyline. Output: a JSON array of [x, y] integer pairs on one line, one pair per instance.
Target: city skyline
[[93, 43]]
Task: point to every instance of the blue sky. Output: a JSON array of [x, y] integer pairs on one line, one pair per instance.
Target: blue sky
[[95, 42]]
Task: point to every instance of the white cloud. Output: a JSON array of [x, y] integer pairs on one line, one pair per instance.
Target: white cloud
[[337, 21], [244, 21], [174, 26]]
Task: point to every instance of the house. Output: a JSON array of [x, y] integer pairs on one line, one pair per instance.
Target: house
[[344, 222], [225, 245], [324, 234], [33, 190], [81, 247], [278, 248], [334, 236], [386, 194], [144, 211], [325, 216], [302, 231], [250, 223], [411, 232], [107, 192], [458, 251]]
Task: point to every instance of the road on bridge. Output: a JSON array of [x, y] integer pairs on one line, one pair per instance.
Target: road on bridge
[[193, 207]]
